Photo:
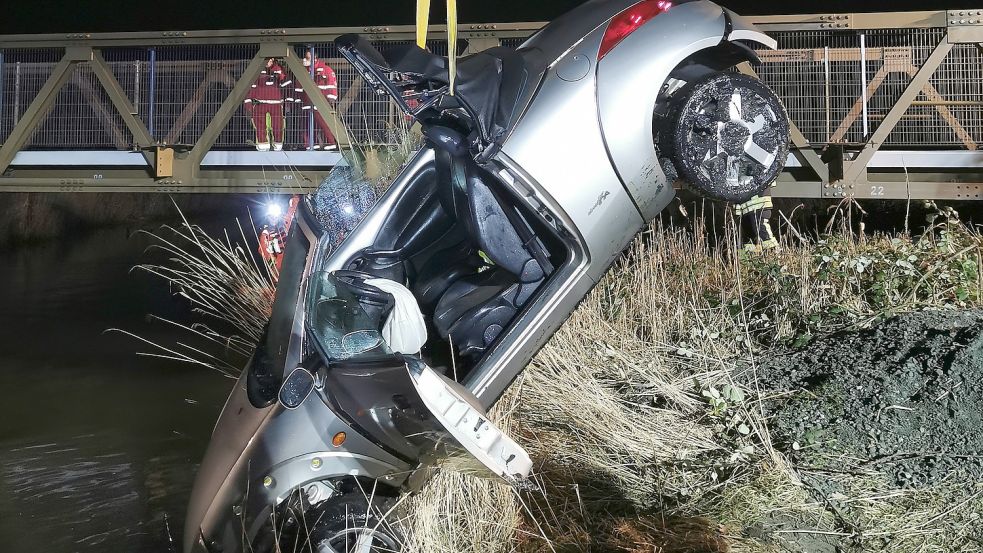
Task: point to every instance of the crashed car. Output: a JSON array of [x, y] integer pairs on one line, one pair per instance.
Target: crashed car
[[401, 317]]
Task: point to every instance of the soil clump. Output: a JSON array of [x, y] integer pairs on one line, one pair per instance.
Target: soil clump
[[903, 399]]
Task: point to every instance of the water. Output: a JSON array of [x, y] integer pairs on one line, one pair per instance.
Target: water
[[98, 447]]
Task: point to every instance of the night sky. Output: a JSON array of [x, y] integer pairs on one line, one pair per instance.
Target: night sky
[[44, 16]]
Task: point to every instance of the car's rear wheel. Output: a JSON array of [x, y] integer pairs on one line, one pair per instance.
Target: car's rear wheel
[[728, 135]]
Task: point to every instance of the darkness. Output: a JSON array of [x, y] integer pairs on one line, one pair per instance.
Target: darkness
[[31, 17]]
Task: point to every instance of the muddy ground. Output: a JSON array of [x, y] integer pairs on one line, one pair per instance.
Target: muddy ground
[[904, 399]]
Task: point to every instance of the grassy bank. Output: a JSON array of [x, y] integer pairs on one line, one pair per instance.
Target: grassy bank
[[645, 412], [649, 414]]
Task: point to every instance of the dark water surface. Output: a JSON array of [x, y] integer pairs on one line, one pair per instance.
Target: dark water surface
[[98, 447]]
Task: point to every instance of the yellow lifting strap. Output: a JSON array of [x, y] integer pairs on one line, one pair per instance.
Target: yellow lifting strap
[[423, 26]]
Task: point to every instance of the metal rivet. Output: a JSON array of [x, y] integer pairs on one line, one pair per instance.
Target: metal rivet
[[237, 509], [316, 463], [268, 482]]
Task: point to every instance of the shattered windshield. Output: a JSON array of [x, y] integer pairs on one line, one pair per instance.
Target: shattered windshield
[[341, 328], [340, 203]]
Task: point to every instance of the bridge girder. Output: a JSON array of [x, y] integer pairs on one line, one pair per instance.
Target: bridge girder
[[925, 69]]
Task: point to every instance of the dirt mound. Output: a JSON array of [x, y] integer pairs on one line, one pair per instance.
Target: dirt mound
[[904, 398]]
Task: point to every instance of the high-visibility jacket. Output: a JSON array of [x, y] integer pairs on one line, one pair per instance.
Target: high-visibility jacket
[[272, 86], [326, 81]]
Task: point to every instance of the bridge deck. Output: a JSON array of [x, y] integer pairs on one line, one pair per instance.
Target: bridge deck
[[904, 92]]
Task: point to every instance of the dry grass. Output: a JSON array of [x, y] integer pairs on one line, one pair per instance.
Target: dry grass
[[642, 411], [224, 285]]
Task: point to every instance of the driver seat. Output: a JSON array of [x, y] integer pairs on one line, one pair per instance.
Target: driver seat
[[475, 309]]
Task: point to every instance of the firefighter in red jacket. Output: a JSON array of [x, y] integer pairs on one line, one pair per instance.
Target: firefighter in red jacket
[[273, 237], [327, 82], [264, 105]]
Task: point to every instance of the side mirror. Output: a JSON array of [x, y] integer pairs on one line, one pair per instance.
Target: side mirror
[[296, 388]]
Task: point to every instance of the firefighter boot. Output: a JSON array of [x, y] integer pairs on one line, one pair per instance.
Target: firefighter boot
[[755, 217]]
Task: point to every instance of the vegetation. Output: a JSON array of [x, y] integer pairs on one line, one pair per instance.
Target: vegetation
[[644, 412]]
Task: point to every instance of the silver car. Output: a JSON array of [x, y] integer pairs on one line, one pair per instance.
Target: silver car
[[400, 319]]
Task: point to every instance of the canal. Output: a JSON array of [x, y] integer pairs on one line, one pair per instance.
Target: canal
[[98, 446]]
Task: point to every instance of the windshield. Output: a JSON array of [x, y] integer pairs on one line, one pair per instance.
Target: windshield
[[340, 326], [266, 371], [340, 203]]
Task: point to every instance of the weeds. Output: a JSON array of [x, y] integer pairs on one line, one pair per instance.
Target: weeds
[[644, 419]]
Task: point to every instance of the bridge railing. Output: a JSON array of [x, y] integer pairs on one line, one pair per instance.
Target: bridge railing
[[866, 82]]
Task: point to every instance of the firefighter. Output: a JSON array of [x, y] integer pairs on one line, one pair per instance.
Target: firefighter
[[755, 217], [265, 103], [273, 236], [271, 249], [327, 82]]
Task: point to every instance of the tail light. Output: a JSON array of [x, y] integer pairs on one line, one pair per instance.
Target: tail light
[[626, 22]]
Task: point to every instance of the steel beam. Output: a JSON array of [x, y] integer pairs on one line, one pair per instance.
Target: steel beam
[[256, 36], [918, 82], [227, 109], [321, 104], [803, 150], [211, 185], [479, 31], [39, 108], [141, 136]]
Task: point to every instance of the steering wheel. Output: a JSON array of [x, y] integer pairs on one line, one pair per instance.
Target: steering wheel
[[356, 281]]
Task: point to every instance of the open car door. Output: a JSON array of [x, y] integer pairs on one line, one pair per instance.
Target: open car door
[[399, 401], [461, 415]]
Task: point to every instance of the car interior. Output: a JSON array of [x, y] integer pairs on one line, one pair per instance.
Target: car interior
[[469, 253], [468, 250]]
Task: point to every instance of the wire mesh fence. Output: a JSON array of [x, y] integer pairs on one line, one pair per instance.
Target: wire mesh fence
[[22, 74], [838, 87]]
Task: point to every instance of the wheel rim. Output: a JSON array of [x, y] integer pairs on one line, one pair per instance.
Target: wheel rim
[[359, 540], [732, 134]]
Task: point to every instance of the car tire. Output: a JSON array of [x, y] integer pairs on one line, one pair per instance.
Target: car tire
[[729, 136], [352, 524]]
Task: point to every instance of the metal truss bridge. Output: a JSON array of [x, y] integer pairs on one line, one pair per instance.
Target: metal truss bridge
[[884, 105]]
